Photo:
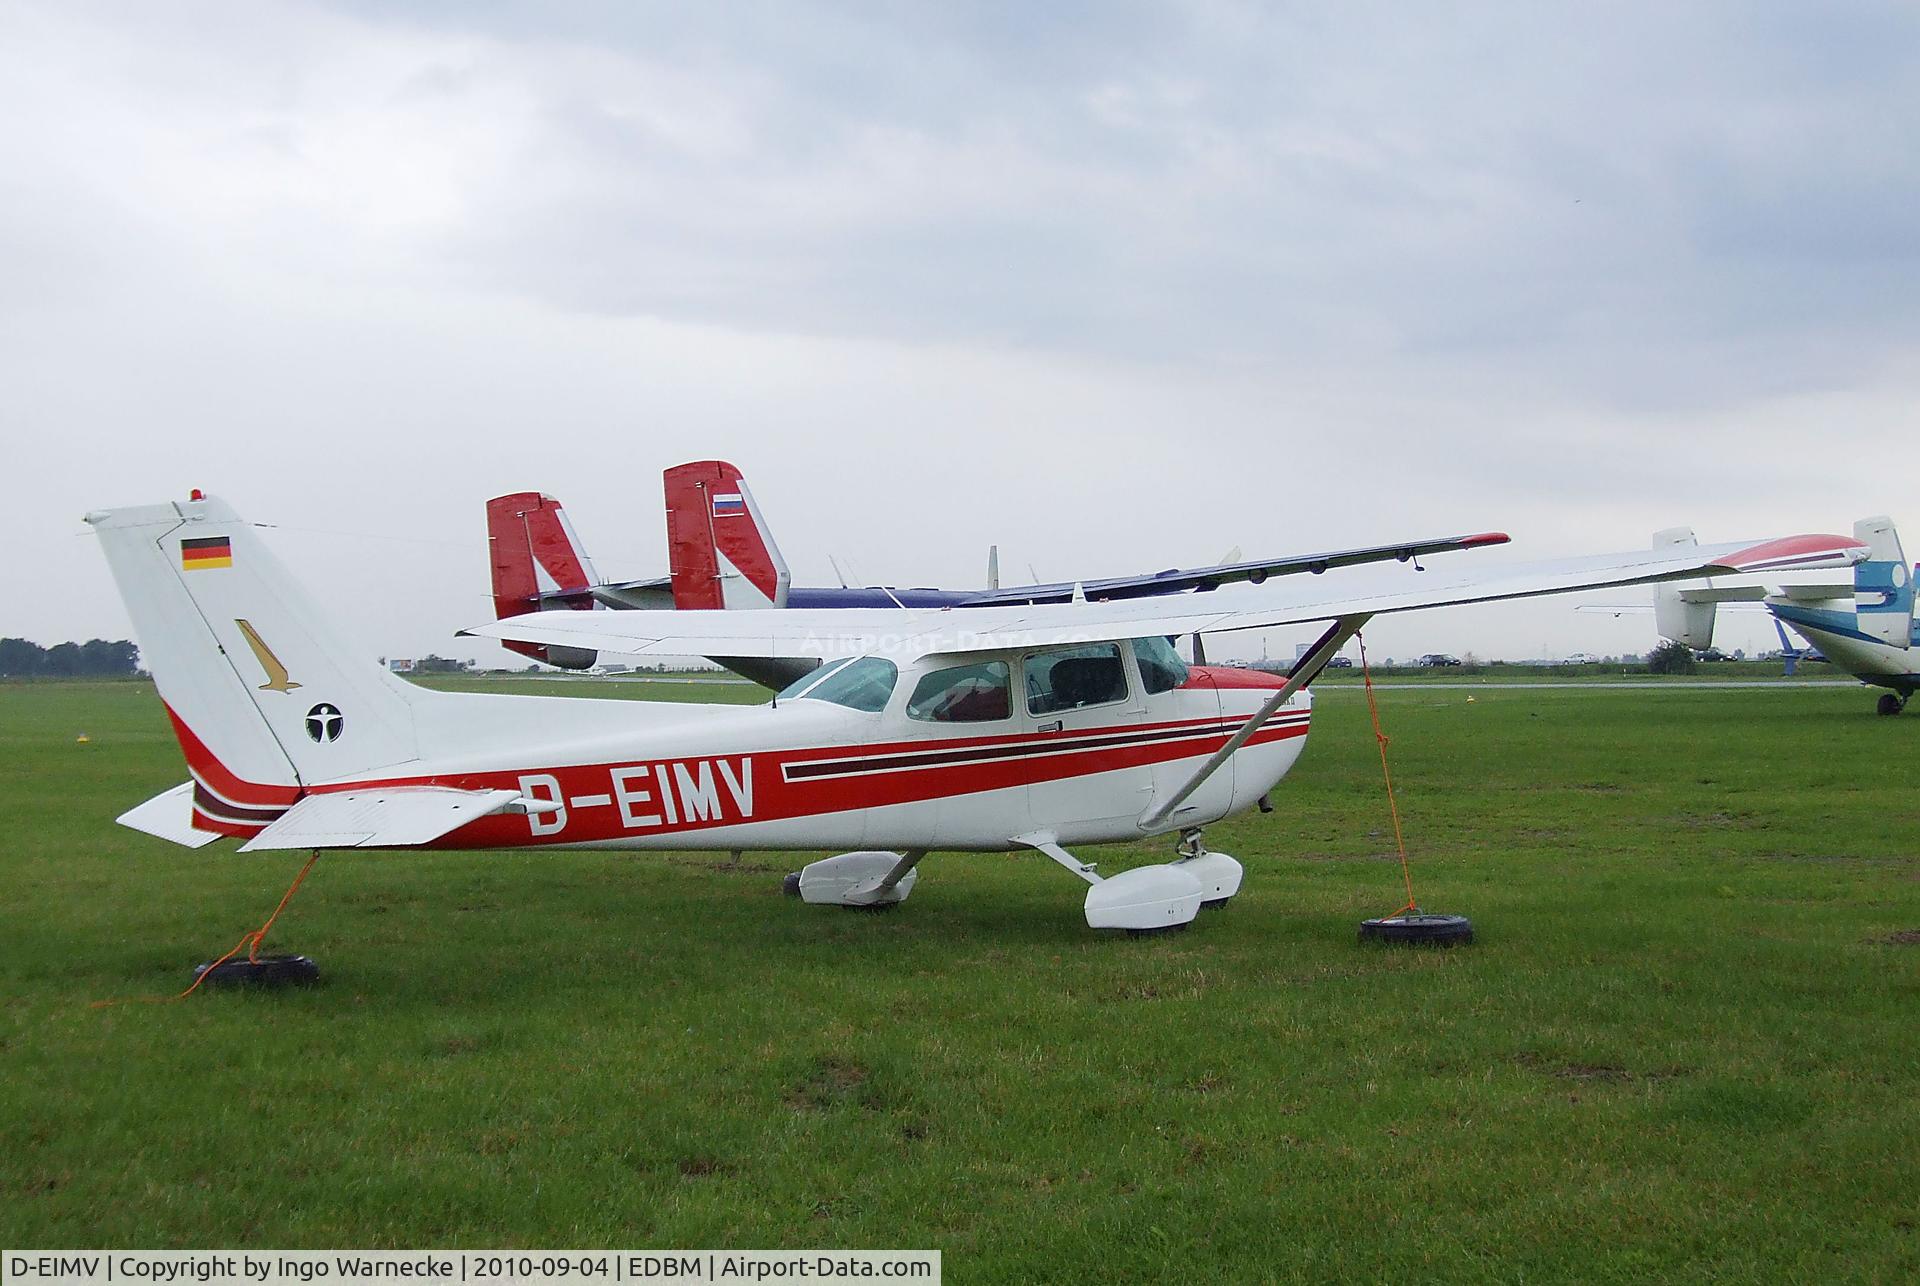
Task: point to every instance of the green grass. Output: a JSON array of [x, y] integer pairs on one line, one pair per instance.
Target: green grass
[[1683, 1046]]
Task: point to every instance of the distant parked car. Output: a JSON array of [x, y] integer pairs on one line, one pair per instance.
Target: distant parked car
[[1340, 663], [1439, 658], [1711, 654], [1582, 658]]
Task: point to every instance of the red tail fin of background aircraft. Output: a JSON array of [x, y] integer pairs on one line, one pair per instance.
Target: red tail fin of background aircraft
[[718, 546], [535, 553]]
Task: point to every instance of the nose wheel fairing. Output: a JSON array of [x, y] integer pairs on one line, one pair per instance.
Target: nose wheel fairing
[[1147, 899]]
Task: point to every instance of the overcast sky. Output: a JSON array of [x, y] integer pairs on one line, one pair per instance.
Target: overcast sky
[[1117, 287]]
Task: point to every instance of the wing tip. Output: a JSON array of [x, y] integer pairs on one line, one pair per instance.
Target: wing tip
[[1810, 550], [1484, 538]]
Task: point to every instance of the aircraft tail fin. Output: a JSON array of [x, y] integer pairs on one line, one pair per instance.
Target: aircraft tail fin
[[264, 696], [537, 561], [719, 548], [1674, 616], [1883, 584]]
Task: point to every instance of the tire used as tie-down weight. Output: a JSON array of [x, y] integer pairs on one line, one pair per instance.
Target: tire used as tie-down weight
[[1419, 929], [267, 971]]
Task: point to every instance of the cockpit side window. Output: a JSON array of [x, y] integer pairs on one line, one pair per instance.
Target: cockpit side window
[[862, 684], [978, 693], [1075, 677], [1161, 669]]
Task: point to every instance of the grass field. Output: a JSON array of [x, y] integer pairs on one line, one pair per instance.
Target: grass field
[[1684, 1045]]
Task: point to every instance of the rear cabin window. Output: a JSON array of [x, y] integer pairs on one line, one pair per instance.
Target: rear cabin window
[[964, 694], [1075, 677], [863, 684]]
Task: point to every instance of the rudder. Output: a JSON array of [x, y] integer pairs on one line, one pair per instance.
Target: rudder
[[1675, 617], [264, 696], [534, 556], [719, 549], [1883, 584]]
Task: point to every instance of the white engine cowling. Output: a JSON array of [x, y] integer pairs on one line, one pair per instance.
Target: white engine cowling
[[852, 879], [1147, 897], [1219, 876]]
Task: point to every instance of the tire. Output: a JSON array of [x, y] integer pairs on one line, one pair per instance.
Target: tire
[[1419, 930], [267, 971], [791, 884], [1890, 704]]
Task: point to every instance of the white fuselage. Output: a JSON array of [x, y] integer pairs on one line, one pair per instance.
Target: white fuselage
[[807, 774]]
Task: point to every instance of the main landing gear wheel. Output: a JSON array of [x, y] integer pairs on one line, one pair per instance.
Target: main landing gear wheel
[[267, 971], [869, 880], [1890, 704], [1419, 929]]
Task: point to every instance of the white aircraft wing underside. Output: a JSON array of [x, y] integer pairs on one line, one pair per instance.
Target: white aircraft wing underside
[[829, 632]]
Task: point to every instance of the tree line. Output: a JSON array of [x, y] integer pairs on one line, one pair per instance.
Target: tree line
[[96, 658]]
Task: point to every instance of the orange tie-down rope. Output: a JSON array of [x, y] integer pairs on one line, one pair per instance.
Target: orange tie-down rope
[[250, 943], [1399, 841]]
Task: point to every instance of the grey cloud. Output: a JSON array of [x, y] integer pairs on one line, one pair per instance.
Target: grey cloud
[[1217, 273]]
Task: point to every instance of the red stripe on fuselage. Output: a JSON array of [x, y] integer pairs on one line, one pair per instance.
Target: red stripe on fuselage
[[651, 797]]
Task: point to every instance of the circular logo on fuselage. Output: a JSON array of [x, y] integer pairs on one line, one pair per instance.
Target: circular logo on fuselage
[[324, 723]]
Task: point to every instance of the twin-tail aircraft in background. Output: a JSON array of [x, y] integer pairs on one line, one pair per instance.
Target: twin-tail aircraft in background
[[1046, 726], [1861, 621], [721, 555]]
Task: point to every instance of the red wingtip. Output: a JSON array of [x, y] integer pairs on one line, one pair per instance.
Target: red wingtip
[[1485, 538], [1789, 550]]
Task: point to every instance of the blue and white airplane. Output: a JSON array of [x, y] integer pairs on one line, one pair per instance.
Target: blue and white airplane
[[1863, 623]]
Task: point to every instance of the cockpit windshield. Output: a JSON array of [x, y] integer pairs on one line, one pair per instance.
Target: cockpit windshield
[[863, 683], [1161, 669]]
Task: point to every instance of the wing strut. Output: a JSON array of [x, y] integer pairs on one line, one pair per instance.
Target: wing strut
[[1304, 671]]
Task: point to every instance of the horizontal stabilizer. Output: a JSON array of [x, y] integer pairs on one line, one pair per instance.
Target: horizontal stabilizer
[[1724, 593], [168, 816], [387, 817]]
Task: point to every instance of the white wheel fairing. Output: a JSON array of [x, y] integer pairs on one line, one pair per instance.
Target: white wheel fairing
[[851, 879], [1147, 897], [1219, 875]]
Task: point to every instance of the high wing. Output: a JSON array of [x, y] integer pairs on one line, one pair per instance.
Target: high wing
[[1206, 578], [854, 631]]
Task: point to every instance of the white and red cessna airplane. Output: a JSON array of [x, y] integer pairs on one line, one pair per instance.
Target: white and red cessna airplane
[[1046, 726]]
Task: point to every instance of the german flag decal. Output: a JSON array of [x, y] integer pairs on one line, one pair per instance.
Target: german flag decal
[[208, 551]]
